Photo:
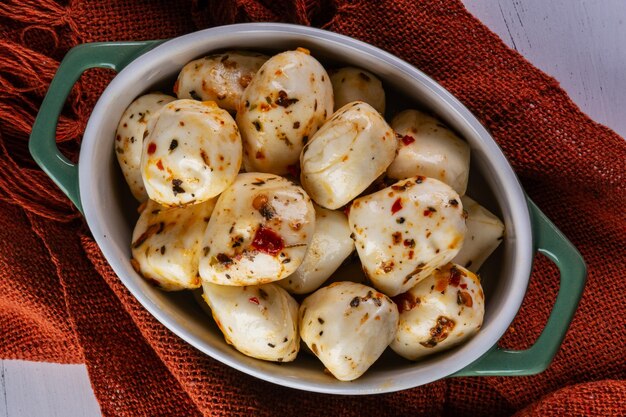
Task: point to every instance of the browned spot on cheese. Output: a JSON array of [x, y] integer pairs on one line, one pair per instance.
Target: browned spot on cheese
[[464, 298], [455, 242], [135, 264], [387, 266], [244, 80], [439, 332], [151, 230], [205, 157]]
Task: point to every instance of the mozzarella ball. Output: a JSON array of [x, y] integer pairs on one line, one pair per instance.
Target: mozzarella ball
[[441, 311], [485, 231], [191, 153], [405, 231], [259, 232], [129, 138], [354, 84], [347, 326], [166, 244], [260, 321], [346, 155], [287, 100], [330, 246], [220, 77], [427, 147]]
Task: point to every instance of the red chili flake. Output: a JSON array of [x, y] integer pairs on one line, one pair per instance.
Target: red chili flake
[[411, 254], [346, 209], [397, 206], [176, 87], [254, 300], [151, 148], [283, 100], [409, 243], [267, 241], [294, 170], [441, 284], [159, 165], [455, 277], [406, 301], [407, 140], [429, 211], [463, 285]]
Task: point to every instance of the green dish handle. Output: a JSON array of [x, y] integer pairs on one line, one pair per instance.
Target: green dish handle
[[42, 142], [549, 241]]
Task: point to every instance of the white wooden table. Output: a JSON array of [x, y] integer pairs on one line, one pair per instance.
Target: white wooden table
[[582, 43]]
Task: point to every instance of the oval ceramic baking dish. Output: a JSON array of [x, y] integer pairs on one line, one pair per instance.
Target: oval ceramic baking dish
[[95, 185]]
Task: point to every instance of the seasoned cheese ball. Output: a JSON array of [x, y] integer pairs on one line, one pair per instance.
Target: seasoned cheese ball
[[191, 153], [220, 77], [166, 243], [405, 231], [287, 100], [330, 246], [129, 138], [347, 326], [441, 311], [354, 84], [484, 234], [260, 321], [427, 147], [346, 155], [259, 232]]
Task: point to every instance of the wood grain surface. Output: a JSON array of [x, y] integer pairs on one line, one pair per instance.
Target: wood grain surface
[[579, 42]]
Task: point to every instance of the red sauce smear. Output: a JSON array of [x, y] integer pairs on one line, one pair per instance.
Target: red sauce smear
[[267, 241], [151, 148], [254, 300], [397, 206], [407, 140]]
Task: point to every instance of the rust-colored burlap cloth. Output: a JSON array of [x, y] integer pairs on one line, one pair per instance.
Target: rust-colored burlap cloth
[[60, 301]]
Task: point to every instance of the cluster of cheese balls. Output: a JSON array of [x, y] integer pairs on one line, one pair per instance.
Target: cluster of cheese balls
[[261, 178]]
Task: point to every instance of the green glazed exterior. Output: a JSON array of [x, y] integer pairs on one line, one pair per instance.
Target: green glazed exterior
[[548, 240]]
